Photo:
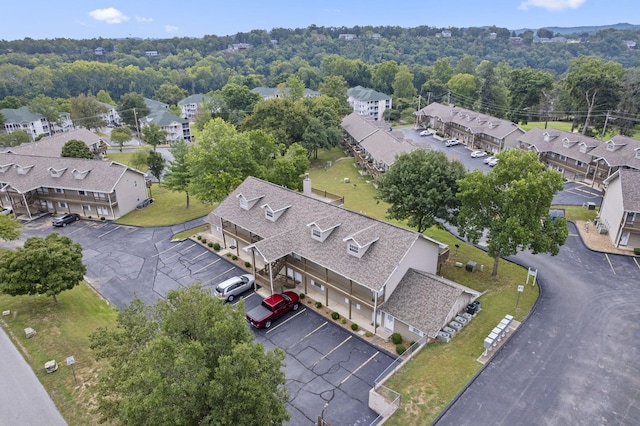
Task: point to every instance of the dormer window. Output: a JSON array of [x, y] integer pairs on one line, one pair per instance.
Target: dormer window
[[359, 243], [269, 214], [354, 249], [566, 143], [243, 203], [248, 203], [637, 152], [23, 170], [5, 167], [315, 232], [583, 148], [611, 146], [547, 137], [80, 175], [56, 172], [273, 214], [320, 231]]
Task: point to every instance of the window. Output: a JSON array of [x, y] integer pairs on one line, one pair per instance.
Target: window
[[631, 217], [59, 191], [579, 163], [62, 204], [318, 285], [100, 195], [82, 192], [316, 232], [102, 210], [86, 207], [353, 248], [416, 331], [269, 214]]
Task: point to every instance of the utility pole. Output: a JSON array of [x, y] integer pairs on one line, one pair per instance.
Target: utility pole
[[135, 117], [606, 120]]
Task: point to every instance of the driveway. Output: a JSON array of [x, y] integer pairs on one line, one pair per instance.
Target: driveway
[[574, 361], [329, 371]]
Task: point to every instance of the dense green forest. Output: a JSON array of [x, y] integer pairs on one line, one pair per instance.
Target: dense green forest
[[484, 68]]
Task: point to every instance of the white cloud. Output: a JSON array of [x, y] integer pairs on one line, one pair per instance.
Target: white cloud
[[143, 19], [109, 15], [552, 4], [170, 28]]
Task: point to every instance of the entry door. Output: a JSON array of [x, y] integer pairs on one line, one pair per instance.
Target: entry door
[[388, 322], [624, 239]]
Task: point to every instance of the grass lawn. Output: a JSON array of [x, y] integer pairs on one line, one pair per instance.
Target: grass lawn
[[559, 125], [122, 158], [168, 208], [578, 213], [439, 371], [62, 331]]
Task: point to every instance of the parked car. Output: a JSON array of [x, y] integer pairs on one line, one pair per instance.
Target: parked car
[[229, 289], [144, 203], [65, 219], [478, 154], [451, 142], [272, 308], [493, 162], [488, 159], [6, 211], [427, 132]]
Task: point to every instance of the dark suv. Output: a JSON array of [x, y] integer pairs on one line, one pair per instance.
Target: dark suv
[[65, 219]]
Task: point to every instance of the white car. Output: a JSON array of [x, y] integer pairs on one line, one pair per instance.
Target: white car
[[229, 289], [426, 132], [488, 159], [6, 211], [493, 162], [478, 154], [452, 142]]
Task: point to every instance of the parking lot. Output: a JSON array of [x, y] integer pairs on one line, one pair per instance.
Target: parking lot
[[329, 370]]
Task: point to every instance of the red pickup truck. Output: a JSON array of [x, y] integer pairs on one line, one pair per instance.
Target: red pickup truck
[[272, 308]]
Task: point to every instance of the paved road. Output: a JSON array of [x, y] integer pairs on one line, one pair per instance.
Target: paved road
[[574, 361], [23, 400]]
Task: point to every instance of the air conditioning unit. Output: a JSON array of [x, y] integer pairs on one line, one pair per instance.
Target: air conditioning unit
[[443, 337], [461, 320], [450, 331], [455, 325]]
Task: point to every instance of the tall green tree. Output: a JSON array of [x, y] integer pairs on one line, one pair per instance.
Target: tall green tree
[[188, 360], [335, 86], [43, 266], [464, 88], [10, 228], [87, 111], [594, 87], [139, 159], [403, 83], [156, 163], [46, 107], [282, 117], [295, 87], [132, 108], [421, 187], [629, 102], [104, 97], [178, 174], [384, 75], [527, 87], [511, 203], [120, 135], [493, 96], [75, 148], [14, 138], [154, 135], [170, 93]]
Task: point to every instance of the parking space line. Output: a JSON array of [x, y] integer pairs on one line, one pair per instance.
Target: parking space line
[[211, 264], [635, 259], [309, 334], [188, 248], [573, 235], [331, 351], [169, 249], [286, 321], [108, 232], [242, 298], [610, 264], [361, 365], [200, 255]]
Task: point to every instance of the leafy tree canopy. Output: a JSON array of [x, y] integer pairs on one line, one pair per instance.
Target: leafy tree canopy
[[75, 148], [14, 138], [154, 135], [512, 203], [86, 111], [45, 266], [421, 187], [156, 163], [178, 175], [10, 228], [120, 135], [188, 360]]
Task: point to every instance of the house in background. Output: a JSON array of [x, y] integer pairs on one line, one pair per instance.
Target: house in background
[[190, 105], [368, 102], [275, 92], [372, 143], [52, 146], [176, 127], [569, 153], [619, 214], [34, 185], [111, 117], [476, 130], [352, 263], [23, 119]]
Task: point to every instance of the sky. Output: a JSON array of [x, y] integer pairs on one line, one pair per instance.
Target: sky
[[86, 19]]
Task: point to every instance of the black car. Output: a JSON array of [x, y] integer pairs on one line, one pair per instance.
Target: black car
[[65, 219], [144, 203]]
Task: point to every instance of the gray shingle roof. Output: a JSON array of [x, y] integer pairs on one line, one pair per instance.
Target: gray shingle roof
[[382, 144], [194, 99], [555, 143], [272, 92], [102, 176], [164, 118], [290, 233], [630, 180], [19, 115], [424, 300], [52, 146], [363, 94], [624, 154], [154, 105]]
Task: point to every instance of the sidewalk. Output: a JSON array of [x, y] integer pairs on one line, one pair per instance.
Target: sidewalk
[[596, 241]]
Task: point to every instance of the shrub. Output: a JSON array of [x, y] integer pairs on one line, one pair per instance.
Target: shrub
[[216, 246], [636, 250], [228, 255], [209, 244], [302, 295], [88, 217], [102, 218], [343, 321], [204, 241], [354, 327], [335, 315], [396, 338], [234, 257], [247, 264], [400, 349], [368, 334], [318, 305], [199, 237]]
